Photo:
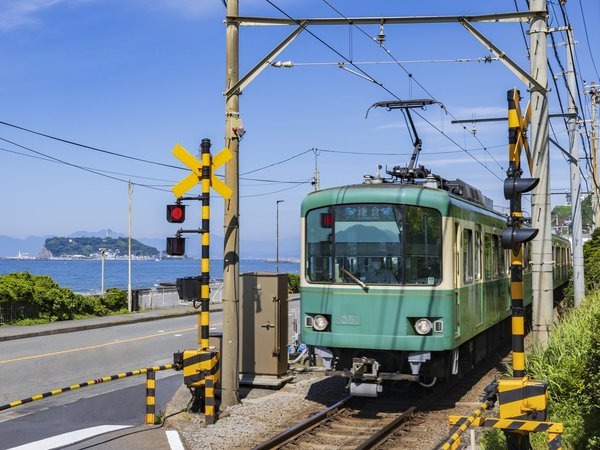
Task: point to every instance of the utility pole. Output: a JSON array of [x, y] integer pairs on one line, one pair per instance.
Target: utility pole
[[541, 249], [102, 253], [277, 237], [129, 296], [231, 294], [317, 177], [595, 98], [576, 232]]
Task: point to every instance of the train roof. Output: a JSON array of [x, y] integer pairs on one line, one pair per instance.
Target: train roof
[[412, 194]]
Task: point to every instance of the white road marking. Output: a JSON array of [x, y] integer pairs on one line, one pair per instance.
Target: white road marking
[[69, 438], [174, 440], [177, 335]]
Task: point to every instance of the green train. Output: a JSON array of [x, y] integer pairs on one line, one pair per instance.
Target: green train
[[406, 281]]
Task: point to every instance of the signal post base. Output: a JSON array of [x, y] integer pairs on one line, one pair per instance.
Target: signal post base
[[200, 374], [554, 430]]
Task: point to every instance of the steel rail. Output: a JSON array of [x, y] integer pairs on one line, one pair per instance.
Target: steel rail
[[382, 434], [301, 427]]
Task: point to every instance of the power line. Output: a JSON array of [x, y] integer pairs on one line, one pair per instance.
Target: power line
[[89, 147], [275, 192], [411, 77], [78, 166], [365, 75], [587, 38], [278, 162]]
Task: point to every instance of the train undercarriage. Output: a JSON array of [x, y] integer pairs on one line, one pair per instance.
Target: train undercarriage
[[368, 371]]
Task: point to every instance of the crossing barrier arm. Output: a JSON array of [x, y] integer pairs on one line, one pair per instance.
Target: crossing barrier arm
[[88, 383]]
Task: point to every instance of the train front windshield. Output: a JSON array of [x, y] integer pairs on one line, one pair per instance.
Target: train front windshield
[[374, 244]]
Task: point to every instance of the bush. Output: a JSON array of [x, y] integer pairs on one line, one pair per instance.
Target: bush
[[571, 365], [51, 302], [293, 283]]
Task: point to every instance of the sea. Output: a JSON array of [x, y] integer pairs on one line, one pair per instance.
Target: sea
[[85, 276]]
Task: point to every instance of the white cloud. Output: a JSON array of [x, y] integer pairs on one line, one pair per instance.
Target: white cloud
[[18, 13]]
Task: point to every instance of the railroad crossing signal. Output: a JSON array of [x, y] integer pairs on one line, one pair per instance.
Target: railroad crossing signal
[[196, 176], [176, 213]]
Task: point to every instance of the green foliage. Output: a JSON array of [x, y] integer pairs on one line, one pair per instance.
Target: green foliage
[[293, 283], [562, 214], [50, 302], [86, 246], [570, 363], [591, 268]]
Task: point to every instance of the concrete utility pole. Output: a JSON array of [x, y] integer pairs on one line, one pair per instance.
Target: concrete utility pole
[[231, 294], [576, 233], [129, 296], [595, 97], [541, 254]]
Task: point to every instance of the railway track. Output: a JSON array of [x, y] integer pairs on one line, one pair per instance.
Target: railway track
[[352, 423], [390, 422]]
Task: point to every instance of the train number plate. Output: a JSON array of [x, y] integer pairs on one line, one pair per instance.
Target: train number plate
[[348, 319]]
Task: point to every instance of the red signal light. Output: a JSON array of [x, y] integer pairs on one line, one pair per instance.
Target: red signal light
[[175, 213], [327, 220]]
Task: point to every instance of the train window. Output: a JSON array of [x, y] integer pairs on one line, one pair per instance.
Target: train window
[[423, 262], [495, 255], [477, 255], [487, 255], [500, 254], [374, 244], [318, 247], [468, 255]]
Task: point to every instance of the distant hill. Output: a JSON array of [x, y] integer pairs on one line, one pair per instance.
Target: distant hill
[[249, 248], [89, 246]]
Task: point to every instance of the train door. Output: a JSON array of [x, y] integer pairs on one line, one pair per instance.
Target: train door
[[477, 275], [457, 277]]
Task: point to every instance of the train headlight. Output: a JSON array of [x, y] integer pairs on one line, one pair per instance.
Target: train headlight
[[320, 323], [423, 326]]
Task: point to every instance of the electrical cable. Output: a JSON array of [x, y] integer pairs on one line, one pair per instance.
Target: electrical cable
[[96, 149], [587, 38], [278, 162], [78, 166], [275, 192], [411, 77], [371, 79]]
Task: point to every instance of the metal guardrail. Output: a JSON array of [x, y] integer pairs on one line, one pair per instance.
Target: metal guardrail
[[150, 389]]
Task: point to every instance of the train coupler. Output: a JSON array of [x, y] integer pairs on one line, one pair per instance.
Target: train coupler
[[365, 381]]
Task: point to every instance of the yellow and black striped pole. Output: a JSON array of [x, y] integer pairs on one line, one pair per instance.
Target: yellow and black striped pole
[[150, 398], [204, 341], [88, 383], [204, 324], [516, 139]]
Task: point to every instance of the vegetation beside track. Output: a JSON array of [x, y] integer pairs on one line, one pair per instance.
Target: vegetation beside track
[[571, 365], [27, 299]]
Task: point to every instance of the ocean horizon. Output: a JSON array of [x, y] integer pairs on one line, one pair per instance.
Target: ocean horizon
[[85, 276]]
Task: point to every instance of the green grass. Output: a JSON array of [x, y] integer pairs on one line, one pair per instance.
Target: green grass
[[571, 365]]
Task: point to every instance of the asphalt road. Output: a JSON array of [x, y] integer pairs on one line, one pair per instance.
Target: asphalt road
[[40, 364]]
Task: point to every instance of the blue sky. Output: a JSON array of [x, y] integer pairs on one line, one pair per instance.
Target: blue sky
[[138, 77]]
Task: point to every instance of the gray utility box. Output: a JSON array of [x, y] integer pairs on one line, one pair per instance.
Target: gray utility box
[[264, 323]]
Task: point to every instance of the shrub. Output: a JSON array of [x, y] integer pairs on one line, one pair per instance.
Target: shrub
[[570, 363], [293, 283]]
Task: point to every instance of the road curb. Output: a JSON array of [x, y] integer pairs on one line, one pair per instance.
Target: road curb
[[107, 323]]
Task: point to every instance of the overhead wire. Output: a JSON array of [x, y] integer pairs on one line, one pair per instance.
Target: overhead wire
[[89, 147], [280, 190], [587, 38], [28, 130], [412, 78], [78, 166], [381, 85]]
